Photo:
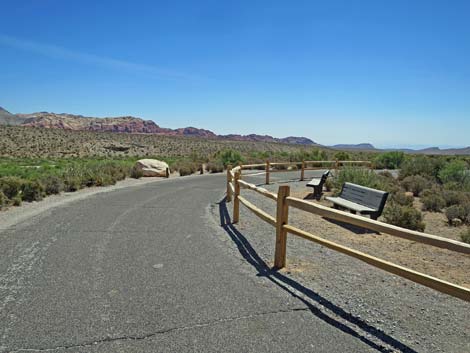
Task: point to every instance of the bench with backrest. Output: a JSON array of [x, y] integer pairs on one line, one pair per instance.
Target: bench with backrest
[[317, 183], [360, 199]]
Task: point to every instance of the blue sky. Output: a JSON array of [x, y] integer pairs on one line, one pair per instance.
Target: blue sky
[[393, 73]]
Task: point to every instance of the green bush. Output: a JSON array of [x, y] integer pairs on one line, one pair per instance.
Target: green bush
[[404, 216], [360, 176], [455, 171], [230, 157], [389, 160], [342, 156], [421, 165], [465, 236], [433, 202], [32, 191], [416, 184]]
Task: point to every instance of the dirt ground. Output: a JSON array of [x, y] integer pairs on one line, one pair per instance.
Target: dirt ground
[[444, 264]]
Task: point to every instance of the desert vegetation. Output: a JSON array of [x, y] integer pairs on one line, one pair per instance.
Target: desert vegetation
[[424, 184]]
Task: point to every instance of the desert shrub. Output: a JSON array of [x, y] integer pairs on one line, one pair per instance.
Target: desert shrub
[[342, 156], [454, 172], [389, 160], [3, 200], [433, 202], [421, 165], [52, 185], [416, 184], [360, 176], [404, 216], [136, 173], [72, 183], [452, 197], [401, 199], [465, 236], [457, 212], [215, 167], [329, 184], [386, 174], [185, 167], [10, 186], [32, 191], [230, 157], [17, 201]]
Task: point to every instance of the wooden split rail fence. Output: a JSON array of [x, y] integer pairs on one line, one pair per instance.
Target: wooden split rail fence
[[280, 222], [270, 167]]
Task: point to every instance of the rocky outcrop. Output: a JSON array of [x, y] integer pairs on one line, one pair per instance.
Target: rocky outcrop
[[153, 168], [133, 125]]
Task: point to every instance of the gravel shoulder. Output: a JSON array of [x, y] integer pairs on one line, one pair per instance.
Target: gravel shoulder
[[400, 314]]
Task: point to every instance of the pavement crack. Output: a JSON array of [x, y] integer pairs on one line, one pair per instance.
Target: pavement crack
[[160, 332]]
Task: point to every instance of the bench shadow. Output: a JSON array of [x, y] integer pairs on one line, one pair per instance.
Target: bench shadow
[[289, 285], [350, 227]]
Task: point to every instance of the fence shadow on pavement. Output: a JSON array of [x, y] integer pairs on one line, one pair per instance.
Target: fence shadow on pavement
[[316, 302]]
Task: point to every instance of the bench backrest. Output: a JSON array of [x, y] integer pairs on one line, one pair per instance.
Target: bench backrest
[[364, 196], [325, 176]]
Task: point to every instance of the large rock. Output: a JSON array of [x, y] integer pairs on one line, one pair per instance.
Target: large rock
[[153, 168]]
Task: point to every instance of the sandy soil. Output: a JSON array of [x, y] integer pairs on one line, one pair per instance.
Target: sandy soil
[[440, 263]]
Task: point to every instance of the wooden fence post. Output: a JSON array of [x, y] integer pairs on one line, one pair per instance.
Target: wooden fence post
[[229, 179], [267, 172], [302, 173], [236, 201], [282, 217]]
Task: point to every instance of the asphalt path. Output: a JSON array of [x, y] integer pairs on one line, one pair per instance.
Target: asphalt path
[[145, 269]]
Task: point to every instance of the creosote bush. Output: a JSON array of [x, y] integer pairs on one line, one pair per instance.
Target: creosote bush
[[433, 202], [465, 236], [401, 199], [404, 216], [416, 184]]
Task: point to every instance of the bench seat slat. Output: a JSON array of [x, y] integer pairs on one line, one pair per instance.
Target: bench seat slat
[[350, 205], [314, 182]]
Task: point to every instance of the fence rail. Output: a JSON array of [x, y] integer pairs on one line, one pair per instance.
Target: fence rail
[[273, 167], [280, 222]]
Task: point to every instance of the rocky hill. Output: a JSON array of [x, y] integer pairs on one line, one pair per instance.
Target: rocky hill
[[7, 118], [133, 125]]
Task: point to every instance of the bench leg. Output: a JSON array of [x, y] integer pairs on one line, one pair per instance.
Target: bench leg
[[317, 192]]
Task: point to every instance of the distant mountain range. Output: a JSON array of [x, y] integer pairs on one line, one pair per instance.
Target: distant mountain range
[[128, 124], [367, 147], [133, 125]]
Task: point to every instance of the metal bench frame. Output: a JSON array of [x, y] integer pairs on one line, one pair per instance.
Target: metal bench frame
[[317, 184]]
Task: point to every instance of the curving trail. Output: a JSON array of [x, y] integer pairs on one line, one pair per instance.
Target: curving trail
[[144, 269]]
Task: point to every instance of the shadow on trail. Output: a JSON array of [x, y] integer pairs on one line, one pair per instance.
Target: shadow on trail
[[290, 286]]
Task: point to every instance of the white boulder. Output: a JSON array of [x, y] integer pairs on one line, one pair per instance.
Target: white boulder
[[153, 168]]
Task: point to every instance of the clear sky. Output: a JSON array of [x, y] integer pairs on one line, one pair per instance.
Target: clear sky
[[393, 73]]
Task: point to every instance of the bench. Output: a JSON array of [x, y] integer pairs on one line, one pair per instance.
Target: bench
[[360, 199], [317, 183]]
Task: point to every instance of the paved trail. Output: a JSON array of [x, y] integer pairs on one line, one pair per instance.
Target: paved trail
[[144, 269]]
